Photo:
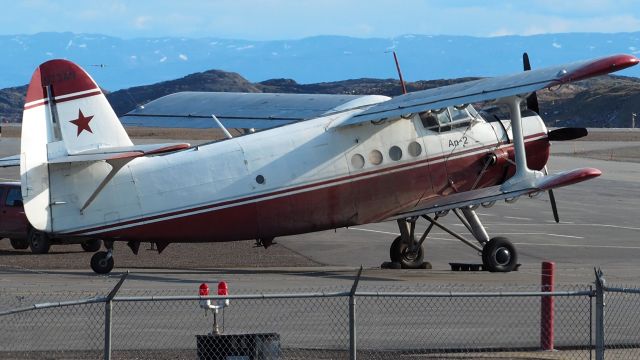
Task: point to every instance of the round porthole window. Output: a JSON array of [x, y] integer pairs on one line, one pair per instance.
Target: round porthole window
[[414, 149], [260, 179], [357, 161], [395, 153], [375, 157]]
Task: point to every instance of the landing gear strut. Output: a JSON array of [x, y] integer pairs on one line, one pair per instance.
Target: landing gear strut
[[498, 254], [102, 261]]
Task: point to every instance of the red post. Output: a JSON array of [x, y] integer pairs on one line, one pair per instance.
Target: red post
[[546, 306]]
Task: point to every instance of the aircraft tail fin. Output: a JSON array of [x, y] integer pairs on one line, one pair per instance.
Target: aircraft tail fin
[[65, 114]]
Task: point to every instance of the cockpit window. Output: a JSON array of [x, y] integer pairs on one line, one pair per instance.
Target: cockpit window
[[459, 114], [443, 117], [429, 120], [448, 118]]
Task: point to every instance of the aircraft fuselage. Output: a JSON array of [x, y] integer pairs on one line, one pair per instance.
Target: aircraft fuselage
[[300, 178]]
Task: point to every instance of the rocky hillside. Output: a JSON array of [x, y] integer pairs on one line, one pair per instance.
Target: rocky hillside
[[607, 101], [11, 102]]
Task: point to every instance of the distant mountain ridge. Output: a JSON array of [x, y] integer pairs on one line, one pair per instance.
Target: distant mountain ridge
[[606, 101], [122, 63]]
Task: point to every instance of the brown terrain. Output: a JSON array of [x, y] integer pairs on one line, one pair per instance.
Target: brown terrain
[[607, 101]]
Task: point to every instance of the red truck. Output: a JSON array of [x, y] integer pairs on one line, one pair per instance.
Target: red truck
[[15, 226]]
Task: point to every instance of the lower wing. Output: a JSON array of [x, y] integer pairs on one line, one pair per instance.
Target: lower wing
[[494, 193]]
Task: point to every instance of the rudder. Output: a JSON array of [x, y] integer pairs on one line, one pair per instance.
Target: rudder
[[65, 113]]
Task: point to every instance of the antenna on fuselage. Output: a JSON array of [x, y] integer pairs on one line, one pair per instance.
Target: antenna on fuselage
[[402, 84]]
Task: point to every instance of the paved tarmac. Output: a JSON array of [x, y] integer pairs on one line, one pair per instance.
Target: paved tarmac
[[599, 227]]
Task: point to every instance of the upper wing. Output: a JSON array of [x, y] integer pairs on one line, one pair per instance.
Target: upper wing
[[489, 88], [494, 193], [241, 110]]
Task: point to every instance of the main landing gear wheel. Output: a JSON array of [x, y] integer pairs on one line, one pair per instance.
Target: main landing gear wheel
[[39, 242], [400, 253], [499, 255], [92, 245], [102, 262]]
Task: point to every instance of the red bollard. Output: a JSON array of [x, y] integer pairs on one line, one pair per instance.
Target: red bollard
[[546, 306]]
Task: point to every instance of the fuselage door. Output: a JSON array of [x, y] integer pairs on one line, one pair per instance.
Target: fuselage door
[[465, 140]]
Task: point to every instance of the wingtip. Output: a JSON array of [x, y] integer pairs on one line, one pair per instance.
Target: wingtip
[[605, 65]]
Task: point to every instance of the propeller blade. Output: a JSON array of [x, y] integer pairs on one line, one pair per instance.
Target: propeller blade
[[554, 207], [532, 100], [552, 199], [525, 62], [564, 134]]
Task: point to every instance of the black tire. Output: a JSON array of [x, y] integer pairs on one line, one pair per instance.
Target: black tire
[[100, 264], [39, 242], [499, 255], [92, 245], [399, 253], [19, 244]]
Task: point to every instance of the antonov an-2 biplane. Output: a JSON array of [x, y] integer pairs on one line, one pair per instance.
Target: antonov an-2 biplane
[[317, 162]]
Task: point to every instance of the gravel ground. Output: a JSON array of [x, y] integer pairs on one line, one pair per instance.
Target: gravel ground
[[239, 254]]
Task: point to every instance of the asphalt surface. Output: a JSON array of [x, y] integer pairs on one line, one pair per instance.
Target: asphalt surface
[[599, 228]]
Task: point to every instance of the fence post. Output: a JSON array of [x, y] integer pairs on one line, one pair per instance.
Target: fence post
[[107, 317], [546, 306], [600, 285], [352, 316]]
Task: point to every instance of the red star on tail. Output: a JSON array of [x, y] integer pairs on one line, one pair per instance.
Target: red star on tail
[[82, 122]]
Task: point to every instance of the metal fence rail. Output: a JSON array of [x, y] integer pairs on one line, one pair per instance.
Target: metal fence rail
[[330, 325]]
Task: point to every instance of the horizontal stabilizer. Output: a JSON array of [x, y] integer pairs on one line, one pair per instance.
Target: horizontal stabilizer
[[124, 152], [13, 160], [494, 193]]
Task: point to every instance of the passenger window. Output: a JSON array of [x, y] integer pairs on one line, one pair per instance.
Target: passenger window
[[14, 198]]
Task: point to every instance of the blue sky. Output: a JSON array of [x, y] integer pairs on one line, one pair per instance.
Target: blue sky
[[293, 19]]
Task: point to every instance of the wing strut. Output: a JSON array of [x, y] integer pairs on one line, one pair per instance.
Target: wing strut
[[226, 132], [524, 175]]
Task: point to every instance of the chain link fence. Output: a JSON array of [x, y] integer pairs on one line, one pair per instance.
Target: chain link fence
[[362, 322]]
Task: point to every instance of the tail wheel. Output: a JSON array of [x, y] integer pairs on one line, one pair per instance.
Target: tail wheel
[[92, 245], [39, 242], [102, 262], [400, 253], [499, 255]]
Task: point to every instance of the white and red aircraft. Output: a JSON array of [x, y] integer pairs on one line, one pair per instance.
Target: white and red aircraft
[[320, 162]]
